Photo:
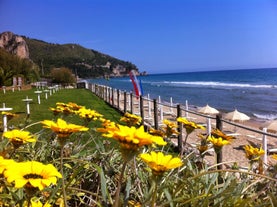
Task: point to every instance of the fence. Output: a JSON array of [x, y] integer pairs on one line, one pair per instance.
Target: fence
[[153, 111]]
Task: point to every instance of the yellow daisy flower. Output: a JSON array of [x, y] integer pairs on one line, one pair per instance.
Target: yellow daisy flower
[[130, 139], [217, 133], [253, 153], [133, 203], [159, 162], [18, 137], [35, 203], [189, 125], [274, 156], [74, 106], [32, 174], [65, 108], [170, 124], [218, 143], [63, 129], [4, 163], [61, 104], [88, 114], [133, 138], [9, 115], [156, 132], [170, 128], [131, 119], [203, 146], [107, 126], [56, 110]]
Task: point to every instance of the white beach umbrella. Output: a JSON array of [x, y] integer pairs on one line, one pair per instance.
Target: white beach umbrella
[[271, 126], [236, 116], [208, 110]]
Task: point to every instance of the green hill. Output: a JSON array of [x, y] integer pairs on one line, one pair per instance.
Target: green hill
[[85, 62]]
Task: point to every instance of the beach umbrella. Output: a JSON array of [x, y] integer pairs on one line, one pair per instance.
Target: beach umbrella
[[236, 116], [208, 110], [271, 126]]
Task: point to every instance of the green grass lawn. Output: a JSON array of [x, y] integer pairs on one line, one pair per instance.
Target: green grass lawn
[[41, 111]]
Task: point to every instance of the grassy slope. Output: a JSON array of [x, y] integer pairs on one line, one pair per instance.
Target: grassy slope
[[41, 111]]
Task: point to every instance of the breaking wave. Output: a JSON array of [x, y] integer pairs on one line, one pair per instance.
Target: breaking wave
[[266, 116], [216, 84]]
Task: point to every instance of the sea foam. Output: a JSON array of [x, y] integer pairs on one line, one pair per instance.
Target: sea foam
[[218, 84], [266, 116]]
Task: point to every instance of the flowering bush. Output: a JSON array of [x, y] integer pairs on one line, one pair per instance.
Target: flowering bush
[[66, 164]]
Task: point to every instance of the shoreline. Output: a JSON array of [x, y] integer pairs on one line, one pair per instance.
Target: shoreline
[[233, 153], [225, 94]]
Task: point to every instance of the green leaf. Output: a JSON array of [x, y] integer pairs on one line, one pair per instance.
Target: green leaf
[[127, 189], [104, 190], [67, 165], [168, 196]]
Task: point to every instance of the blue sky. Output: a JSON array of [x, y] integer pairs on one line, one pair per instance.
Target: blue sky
[[158, 36]]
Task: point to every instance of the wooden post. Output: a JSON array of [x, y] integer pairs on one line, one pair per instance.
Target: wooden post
[[141, 109], [180, 129], [156, 124], [109, 97], [131, 102], [112, 97], [118, 101], [107, 94], [125, 102], [209, 127], [99, 89], [219, 121], [219, 154], [265, 146], [104, 96]]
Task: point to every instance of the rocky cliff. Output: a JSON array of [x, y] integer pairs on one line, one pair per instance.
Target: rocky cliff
[[14, 44]]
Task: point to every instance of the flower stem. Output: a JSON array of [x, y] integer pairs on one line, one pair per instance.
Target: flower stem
[[117, 195], [186, 139], [63, 183], [261, 167], [182, 151], [154, 196], [29, 203]]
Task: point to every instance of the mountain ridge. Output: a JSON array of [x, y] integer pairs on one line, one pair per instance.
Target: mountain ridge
[[86, 63]]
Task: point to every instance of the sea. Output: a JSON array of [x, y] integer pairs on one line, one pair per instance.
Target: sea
[[251, 91]]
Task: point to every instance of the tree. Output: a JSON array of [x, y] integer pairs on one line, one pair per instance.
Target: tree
[[11, 65], [62, 76]]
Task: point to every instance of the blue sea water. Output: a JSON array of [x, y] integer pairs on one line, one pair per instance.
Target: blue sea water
[[252, 91]]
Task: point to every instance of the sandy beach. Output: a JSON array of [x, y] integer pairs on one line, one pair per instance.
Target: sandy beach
[[233, 153]]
